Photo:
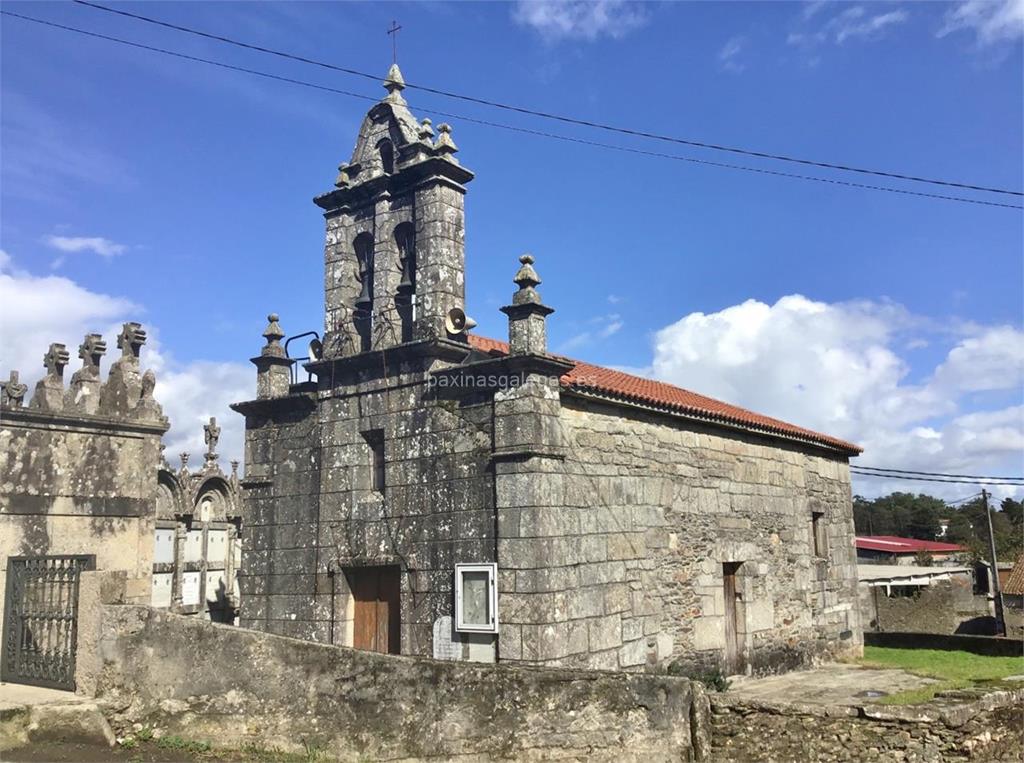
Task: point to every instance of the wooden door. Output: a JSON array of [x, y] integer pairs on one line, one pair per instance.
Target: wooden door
[[733, 649], [376, 592]]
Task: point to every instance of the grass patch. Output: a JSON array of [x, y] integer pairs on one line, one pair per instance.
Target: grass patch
[[955, 670], [184, 745]]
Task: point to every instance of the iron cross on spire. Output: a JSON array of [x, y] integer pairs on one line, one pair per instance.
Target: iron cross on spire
[[393, 31]]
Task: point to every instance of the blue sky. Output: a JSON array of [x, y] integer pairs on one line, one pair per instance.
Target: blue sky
[[135, 185]]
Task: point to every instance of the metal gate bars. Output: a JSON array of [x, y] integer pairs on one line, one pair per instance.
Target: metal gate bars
[[40, 629]]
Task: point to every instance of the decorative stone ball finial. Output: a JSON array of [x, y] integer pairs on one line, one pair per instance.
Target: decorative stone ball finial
[[527, 280], [273, 335], [55, 359], [426, 132], [445, 144], [184, 461], [130, 340]]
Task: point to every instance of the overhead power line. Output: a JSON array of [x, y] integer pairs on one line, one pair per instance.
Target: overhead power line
[[556, 117], [963, 500], [908, 478], [486, 123], [933, 474]]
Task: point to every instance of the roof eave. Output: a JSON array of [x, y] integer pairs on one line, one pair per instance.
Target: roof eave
[[707, 418]]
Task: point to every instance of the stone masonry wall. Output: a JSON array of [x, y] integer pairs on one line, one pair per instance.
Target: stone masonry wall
[[312, 512], [914, 734], [78, 464], [232, 686], [947, 606], [616, 561]]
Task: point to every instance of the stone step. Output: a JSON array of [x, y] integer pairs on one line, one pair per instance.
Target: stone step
[[72, 722]]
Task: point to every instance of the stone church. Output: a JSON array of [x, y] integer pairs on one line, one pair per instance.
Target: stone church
[[432, 492]]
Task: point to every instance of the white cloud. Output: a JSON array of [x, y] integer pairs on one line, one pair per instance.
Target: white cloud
[[39, 310], [602, 327], [992, 21], [104, 247], [728, 56], [853, 23], [587, 20], [836, 368]]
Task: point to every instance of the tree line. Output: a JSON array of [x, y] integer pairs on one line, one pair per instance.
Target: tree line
[[921, 516]]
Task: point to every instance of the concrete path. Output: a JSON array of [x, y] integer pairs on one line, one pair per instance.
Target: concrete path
[[834, 684]]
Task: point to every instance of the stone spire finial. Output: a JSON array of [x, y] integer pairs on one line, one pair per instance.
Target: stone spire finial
[[211, 435], [148, 408], [445, 144], [184, 462], [49, 392], [273, 335], [13, 392], [90, 351], [234, 471], [273, 366], [55, 359], [394, 84], [426, 131], [84, 392], [394, 81], [130, 340], [527, 333], [527, 280]]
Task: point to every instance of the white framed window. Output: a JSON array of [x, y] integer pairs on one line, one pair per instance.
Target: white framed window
[[476, 598]]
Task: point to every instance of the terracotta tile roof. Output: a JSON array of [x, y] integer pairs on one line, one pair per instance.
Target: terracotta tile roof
[[893, 544], [586, 377], [1015, 583]]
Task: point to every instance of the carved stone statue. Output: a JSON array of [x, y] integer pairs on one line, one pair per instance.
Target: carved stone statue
[[211, 435]]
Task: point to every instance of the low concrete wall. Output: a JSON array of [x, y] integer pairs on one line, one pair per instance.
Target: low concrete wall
[[993, 646], [231, 686]]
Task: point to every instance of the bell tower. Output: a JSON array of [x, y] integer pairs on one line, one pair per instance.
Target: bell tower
[[394, 256]]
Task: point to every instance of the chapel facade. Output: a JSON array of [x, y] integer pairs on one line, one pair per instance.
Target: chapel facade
[[432, 492]]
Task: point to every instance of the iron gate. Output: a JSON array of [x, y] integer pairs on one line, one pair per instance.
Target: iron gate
[[41, 619]]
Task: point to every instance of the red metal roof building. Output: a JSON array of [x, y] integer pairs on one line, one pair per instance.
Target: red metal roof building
[[893, 544], [882, 549]]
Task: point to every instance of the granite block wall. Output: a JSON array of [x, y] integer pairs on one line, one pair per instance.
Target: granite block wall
[[612, 558]]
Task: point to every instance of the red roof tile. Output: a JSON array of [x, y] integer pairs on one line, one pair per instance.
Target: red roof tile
[[895, 545], [1015, 583], [586, 377]]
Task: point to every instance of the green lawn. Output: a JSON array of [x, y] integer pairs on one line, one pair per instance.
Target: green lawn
[[956, 670]]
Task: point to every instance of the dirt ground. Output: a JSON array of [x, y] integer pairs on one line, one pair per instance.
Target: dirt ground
[[77, 753]]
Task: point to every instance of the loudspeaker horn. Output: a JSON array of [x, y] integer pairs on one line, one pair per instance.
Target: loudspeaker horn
[[316, 350], [457, 322]]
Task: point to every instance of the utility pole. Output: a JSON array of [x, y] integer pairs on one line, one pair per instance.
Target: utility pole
[[996, 590]]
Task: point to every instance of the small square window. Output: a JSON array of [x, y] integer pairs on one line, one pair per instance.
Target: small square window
[[476, 598]]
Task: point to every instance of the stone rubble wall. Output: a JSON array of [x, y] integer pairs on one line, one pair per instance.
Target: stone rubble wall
[[232, 686], [947, 606], [613, 559], [990, 732]]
